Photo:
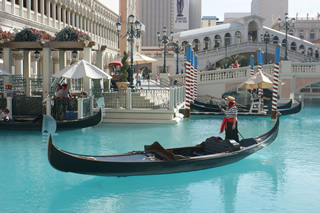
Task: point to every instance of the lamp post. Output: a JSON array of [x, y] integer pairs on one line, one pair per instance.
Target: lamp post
[[266, 38], [165, 39], [177, 51], [134, 30], [286, 26]]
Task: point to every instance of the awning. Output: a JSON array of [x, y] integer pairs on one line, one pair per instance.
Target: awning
[[115, 63]]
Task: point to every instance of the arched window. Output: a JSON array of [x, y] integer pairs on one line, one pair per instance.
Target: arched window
[[237, 37], [301, 49], [275, 40], [310, 52], [293, 46], [283, 43], [301, 34], [227, 39], [291, 32], [312, 34], [217, 41], [206, 43], [196, 45]]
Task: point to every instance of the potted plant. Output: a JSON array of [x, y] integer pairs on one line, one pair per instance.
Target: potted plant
[[123, 78]]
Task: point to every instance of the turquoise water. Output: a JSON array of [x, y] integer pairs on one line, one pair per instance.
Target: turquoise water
[[283, 177]]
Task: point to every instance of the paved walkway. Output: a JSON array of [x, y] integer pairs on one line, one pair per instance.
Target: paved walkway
[[149, 84]]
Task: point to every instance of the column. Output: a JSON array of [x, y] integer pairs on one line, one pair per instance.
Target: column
[[18, 63], [59, 16], [68, 17], [35, 6], [4, 5], [28, 9], [54, 17], [42, 10], [21, 7], [62, 59], [48, 12], [86, 81], [73, 19], [34, 66], [46, 76], [7, 63], [64, 18], [26, 70], [13, 6]]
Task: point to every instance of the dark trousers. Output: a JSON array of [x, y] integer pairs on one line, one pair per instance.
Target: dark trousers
[[232, 133]]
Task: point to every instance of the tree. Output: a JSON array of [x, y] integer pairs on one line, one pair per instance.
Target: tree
[[123, 70]]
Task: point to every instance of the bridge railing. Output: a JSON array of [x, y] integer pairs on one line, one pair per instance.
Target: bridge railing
[[244, 72]]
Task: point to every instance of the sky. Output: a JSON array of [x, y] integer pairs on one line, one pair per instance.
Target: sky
[[218, 7]]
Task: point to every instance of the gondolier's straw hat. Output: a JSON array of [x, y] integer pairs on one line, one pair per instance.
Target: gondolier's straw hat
[[230, 98]]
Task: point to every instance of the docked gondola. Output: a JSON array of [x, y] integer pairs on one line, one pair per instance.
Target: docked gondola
[[202, 110], [155, 159], [214, 107], [36, 123]]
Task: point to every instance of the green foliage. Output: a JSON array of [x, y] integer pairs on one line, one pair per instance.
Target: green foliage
[[27, 34], [124, 68], [71, 34]]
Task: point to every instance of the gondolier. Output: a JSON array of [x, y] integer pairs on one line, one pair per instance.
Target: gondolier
[[229, 123]]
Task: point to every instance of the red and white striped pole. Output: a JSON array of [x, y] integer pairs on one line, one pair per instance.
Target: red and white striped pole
[[188, 83], [275, 83], [195, 77], [260, 91], [192, 77], [252, 65]]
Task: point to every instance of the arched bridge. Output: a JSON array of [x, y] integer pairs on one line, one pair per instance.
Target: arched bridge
[[243, 36]]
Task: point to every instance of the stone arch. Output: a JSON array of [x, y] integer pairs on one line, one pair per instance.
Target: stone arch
[[227, 39], [237, 37], [283, 43], [196, 45], [301, 49], [293, 46], [206, 43], [310, 51], [217, 41], [275, 40], [253, 28]]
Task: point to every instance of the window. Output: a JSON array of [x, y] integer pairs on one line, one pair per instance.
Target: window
[[312, 35], [301, 34]]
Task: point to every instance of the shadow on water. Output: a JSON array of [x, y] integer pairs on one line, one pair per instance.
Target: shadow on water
[[151, 192]]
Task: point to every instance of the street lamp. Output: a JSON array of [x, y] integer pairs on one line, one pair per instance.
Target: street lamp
[[134, 30], [266, 38], [165, 39], [177, 51], [287, 26]]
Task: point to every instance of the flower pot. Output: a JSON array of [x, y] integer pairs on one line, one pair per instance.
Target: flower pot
[[122, 85]]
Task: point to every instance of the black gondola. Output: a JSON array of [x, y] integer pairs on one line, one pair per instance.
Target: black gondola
[[155, 159], [213, 107], [36, 124], [202, 110]]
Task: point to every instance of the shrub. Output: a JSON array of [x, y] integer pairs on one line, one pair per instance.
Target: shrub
[[123, 70]]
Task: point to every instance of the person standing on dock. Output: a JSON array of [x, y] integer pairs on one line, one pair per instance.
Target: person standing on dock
[[230, 122]]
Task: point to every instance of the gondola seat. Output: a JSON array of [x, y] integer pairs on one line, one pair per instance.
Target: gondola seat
[[217, 145], [248, 142]]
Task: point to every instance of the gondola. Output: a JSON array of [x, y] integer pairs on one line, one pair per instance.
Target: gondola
[[155, 159], [213, 107], [36, 124], [202, 110]]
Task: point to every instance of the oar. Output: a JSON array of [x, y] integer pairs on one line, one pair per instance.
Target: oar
[[238, 129]]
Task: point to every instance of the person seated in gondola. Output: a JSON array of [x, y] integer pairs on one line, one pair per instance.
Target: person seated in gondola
[[230, 122], [5, 116]]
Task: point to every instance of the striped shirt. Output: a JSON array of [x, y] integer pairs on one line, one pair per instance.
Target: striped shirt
[[230, 112]]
